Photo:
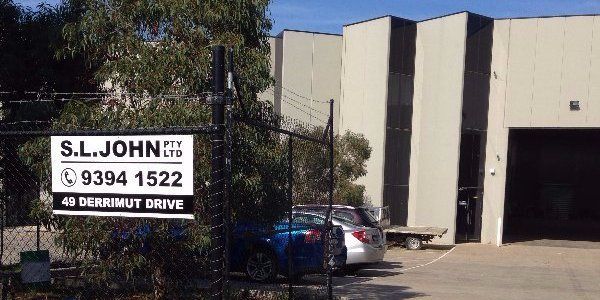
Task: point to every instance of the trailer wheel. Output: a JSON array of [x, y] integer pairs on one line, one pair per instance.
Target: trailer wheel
[[413, 243]]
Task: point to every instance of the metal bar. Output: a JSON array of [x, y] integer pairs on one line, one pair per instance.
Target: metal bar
[[290, 179], [208, 129], [37, 236], [2, 214], [238, 92], [329, 209], [217, 185], [3, 196], [228, 162], [276, 129]]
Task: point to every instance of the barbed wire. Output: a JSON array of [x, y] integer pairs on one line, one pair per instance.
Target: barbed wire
[[311, 115], [99, 93], [300, 103], [298, 94], [98, 97]]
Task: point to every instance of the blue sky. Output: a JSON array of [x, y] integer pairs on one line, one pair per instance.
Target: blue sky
[[330, 15]]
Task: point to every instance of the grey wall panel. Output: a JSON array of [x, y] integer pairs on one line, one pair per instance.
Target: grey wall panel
[[272, 95], [497, 137], [306, 67], [364, 94], [436, 125], [327, 74], [593, 115], [297, 74], [547, 73], [576, 70], [550, 63], [521, 66]]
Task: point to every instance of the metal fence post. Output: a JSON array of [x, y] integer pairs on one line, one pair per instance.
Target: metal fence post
[[37, 236], [290, 179], [329, 211], [3, 173], [217, 171], [228, 163]]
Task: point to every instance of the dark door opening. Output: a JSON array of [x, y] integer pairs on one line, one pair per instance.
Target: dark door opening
[[469, 205], [553, 185]]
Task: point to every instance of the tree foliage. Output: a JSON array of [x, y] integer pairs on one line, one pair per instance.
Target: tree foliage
[[29, 40], [164, 46], [150, 48], [351, 152], [171, 252]]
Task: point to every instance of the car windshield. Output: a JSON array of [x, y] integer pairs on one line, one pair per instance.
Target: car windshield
[[308, 219], [319, 219], [345, 221]]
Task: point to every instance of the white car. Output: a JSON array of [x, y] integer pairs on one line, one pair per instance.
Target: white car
[[366, 245]]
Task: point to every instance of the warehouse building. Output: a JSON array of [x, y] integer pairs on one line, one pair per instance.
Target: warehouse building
[[489, 127], [306, 67]]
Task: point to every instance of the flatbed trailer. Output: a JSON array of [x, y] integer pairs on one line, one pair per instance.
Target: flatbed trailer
[[413, 237]]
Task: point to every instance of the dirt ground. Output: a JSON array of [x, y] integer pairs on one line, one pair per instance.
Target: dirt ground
[[475, 271]]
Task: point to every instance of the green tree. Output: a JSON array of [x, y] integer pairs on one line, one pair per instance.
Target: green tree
[[163, 46], [151, 48], [29, 40], [351, 152]]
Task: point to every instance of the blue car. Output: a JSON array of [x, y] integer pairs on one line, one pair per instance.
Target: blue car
[[262, 251]]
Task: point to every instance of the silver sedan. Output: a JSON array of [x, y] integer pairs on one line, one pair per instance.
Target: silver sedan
[[365, 244]]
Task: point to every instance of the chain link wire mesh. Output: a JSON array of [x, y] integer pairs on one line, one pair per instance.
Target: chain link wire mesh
[[110, 257], [303, 158], [99, 257]]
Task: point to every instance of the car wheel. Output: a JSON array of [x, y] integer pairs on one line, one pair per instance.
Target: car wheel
[[261, 266], [413, 243]]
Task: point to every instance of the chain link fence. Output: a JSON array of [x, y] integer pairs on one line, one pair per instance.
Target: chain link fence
[[268, 164]]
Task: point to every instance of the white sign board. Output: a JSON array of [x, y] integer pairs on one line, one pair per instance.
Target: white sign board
[[128, 176]]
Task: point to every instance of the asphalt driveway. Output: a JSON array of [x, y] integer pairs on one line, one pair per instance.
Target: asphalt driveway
[[475, 271]]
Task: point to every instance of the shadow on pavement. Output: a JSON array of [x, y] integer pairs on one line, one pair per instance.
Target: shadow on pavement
[[377, 291], [435, 247]]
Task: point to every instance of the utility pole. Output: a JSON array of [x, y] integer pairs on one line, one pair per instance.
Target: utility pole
[[217, 173]]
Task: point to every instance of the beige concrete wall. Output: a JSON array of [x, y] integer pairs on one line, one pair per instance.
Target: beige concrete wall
[[306, 67], [551, 62], [497, 137], [365, 67], [538, 66], [297, 74], [327, 75], [436, 125], [273, 94]]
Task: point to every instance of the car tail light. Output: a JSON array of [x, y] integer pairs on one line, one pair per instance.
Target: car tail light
[[312, 236], [361, 235]]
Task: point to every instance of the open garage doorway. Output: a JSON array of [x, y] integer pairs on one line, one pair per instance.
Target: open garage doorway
[[553, 186]]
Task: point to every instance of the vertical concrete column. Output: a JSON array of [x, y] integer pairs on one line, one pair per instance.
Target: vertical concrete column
[[497, 141], [363, 109], [436, 124]]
